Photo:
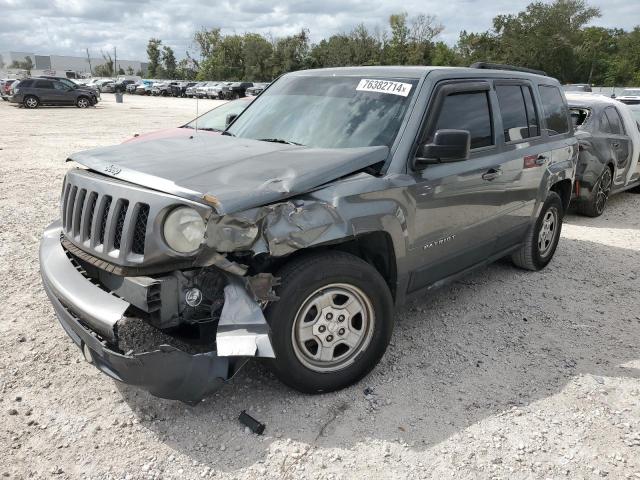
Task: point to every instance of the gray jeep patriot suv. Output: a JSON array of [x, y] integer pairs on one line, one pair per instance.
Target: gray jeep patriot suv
[[335, 196]]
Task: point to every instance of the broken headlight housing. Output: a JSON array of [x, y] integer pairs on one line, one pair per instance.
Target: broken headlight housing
[[184, 229]]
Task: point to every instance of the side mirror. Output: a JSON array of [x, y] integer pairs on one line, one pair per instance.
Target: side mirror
[[447, 146], [230, 118]]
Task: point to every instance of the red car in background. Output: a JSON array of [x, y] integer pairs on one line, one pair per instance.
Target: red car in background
[[5, 88], [212, 122]]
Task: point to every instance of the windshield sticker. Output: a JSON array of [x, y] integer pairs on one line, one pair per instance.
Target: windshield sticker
[[384, 86]]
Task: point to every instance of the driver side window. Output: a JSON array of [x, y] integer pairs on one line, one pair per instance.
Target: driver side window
[[468, 111], [59, 86]]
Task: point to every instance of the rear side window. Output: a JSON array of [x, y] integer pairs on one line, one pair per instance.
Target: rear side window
[[44, 84], [26, 83], [555, 110], [517, 109], [614, 121], [468, 111]]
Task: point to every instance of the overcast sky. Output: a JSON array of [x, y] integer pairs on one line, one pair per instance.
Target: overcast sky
[[67, 27]]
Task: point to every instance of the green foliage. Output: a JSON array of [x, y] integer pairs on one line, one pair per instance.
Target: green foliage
[[553, 36], [26, 64], [169, 61], [153, 52], [107, 68]]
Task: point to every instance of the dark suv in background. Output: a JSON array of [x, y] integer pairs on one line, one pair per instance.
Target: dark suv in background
[[74, 85], [33, 92]]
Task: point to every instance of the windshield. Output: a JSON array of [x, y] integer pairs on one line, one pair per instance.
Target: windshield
[[634, 92], [328, 112], [216, 119], [635, 111]]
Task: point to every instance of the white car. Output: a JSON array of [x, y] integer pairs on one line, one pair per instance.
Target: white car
[[630, 96], [212, 89]]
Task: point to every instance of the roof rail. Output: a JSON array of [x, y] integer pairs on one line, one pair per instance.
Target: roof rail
[[500, 66]]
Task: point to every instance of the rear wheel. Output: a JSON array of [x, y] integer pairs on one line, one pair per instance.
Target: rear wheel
[[31, 102], [594, 206], [332, 324], [542, 237]]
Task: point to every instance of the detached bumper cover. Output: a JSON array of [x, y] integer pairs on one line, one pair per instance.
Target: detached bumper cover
[[89, 315]]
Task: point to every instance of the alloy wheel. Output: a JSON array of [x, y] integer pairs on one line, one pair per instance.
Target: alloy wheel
[[602, 190], [548, 231]]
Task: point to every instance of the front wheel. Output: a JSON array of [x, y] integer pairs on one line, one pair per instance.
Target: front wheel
[[542, 238], [83, 102], [332, 324]]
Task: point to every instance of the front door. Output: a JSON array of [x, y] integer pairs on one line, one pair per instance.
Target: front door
[[457, 204]]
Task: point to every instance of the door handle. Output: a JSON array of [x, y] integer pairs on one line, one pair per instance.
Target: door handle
[[615, 144], [492, 174]]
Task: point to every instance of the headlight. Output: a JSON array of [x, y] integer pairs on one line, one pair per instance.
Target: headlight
[[184, 229]]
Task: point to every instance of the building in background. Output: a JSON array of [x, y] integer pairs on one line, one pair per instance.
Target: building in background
[[64, 64]]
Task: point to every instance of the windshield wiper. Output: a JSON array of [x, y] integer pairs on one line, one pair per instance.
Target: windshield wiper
[[226, 132], [280, 140]]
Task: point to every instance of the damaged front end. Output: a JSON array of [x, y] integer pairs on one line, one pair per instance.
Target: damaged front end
[[179, 335]]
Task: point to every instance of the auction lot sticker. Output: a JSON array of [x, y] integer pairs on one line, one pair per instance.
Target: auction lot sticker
[[384, 86]]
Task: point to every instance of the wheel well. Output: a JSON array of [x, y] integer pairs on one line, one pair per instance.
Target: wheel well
[[375, 248], [563, 189]]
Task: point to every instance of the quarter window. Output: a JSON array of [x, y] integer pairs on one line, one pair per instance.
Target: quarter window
[[519, 118], [555, 110], [468, 111], [614, 121], [44, 84]]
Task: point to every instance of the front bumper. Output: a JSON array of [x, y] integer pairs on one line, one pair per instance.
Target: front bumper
[[89, 316]]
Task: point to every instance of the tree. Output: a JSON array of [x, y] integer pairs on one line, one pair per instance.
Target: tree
[[129, 70], [153, 52], [169, 61], [26, 64], [121, 71], [107, 68], [256, 52], [397, 51]]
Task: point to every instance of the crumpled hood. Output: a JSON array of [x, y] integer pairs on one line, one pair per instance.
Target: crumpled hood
[[238, 173]]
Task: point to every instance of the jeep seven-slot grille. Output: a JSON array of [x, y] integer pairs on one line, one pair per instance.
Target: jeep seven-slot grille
[[102, 222]]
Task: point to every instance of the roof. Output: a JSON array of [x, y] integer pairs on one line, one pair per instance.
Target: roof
[[589, 99], [402, 71]]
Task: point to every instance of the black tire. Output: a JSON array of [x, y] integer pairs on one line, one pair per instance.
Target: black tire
[[595, 205], [532, 255], [31, 101], [83, 102], [319, 275]]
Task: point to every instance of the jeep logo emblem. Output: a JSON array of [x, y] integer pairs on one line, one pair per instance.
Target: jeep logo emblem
[[112, 169]]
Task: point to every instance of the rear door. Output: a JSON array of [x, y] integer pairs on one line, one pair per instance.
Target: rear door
[[45, 91], [620, 144], [523, 158]]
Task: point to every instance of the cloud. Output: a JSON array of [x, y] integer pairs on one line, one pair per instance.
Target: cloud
[[67, 27]]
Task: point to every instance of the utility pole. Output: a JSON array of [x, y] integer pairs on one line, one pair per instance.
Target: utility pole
[[115, 62], [89, 60]]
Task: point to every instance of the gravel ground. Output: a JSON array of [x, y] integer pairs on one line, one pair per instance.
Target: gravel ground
[[505, 374]]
